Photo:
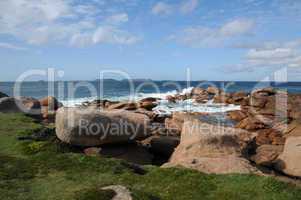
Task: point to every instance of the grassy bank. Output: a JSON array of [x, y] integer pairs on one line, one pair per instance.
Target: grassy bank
[[46, 169]]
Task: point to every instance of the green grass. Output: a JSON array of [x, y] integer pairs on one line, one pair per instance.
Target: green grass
[[47, 169]]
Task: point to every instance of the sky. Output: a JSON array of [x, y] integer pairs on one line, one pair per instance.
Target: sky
[[242, 40]]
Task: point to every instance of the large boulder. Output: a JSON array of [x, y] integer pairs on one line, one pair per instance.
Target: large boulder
[[289, 162], [211, 149], [90, 127]]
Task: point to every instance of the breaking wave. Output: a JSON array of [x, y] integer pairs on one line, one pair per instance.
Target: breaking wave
[[164, 106]]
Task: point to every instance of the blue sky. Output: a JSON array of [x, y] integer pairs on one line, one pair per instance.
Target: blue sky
[[215, 39]]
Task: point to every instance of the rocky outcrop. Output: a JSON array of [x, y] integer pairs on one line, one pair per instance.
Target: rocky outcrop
[[123, 106], [90, 127], [3, 95], [32, 106], [239, 98], [49, 105], [50, 102], [223, 97], [213, 90], [269, 136], [250, 123], [267, 154], [289, 162], [174, 125], [10, 105], [211, 149], [200, 95], [237, 115], [148, 103], [24, 105], [171, 99]]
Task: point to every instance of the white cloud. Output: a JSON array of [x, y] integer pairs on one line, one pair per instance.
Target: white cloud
[[268, 58], [81, 40], [43, 21], [12, 46], [189, 6], [213, 37], [269, 45], [118, 18], [104, 34], [114, 36], [162, 8], [269, 54], [14, 13], [236, 27], [277, 53], [186, 7]]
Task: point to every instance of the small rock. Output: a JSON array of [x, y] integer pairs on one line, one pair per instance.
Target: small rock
[[50, 102], [237, 115], [171, 99], [92, 151], [250, 123], [122, 193], [213, 90], [148, 105]]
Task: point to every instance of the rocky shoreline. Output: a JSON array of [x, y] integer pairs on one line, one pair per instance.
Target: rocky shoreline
[[264, 136]]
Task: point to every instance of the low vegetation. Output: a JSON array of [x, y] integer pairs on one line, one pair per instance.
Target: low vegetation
[[38, 166]]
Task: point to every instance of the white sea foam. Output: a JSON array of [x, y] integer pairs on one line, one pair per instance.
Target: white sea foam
[[77, 101], [167, 108], [164, 107]]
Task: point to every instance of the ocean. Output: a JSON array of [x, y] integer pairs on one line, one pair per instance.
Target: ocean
[[75, 92]]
